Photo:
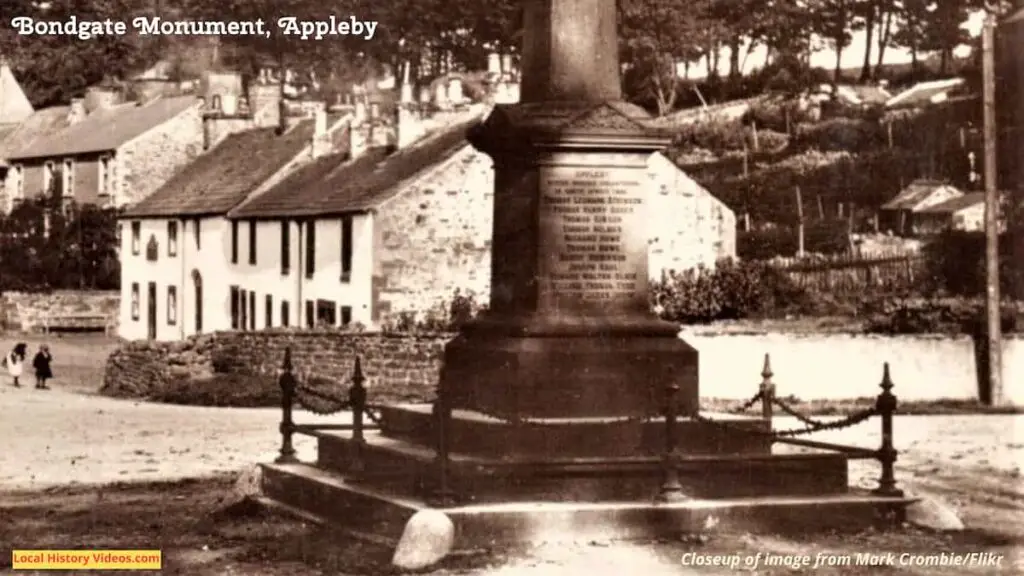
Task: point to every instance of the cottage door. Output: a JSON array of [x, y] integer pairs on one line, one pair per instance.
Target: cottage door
[[151, 312], [197, 281]]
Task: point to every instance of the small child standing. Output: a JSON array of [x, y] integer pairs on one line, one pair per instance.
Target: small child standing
[[41, 363], [15, 361]]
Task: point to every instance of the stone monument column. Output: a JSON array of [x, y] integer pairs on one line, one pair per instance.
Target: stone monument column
[[569, 332]]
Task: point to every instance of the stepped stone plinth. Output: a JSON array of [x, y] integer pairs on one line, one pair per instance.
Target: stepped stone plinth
[[552, 408]]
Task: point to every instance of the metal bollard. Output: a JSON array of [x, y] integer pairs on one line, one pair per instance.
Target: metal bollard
[[767, 389], [885, 404], [287, 428], [357, 403], [442, 495], [671, 490]]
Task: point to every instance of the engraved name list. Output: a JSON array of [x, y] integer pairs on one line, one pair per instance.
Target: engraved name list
[[589, 214]]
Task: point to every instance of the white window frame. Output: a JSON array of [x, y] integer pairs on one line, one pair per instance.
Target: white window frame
[[48, 169], [105, 171]]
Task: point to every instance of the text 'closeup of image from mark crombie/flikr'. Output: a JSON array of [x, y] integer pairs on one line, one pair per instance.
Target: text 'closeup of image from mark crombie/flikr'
[[304, 29]]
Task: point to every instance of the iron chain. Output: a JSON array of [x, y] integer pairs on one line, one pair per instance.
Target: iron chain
[[319, 402], [748, 404], [851, 420]]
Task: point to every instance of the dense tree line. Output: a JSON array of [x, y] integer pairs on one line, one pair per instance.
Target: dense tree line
[[47, 245], [654, 35]]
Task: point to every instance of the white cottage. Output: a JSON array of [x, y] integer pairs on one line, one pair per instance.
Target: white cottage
[[180, 254]]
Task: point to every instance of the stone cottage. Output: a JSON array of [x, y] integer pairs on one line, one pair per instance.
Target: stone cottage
[[111, 153], [179, 252]]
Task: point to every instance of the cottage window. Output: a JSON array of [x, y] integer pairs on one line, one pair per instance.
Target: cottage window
[[135, 300], [252, 242], [172, 305], [326, 313], [310, 314], [49, 170], [286, 248], [19, 182], [234, 241], [104, 183], [136, 238], [346, 249], [215, 103], [234, 298], [172, 238], [346, 315], [286, 314], [252, 310], [68, 173], [196, 232], [310, 248], [269, 311]]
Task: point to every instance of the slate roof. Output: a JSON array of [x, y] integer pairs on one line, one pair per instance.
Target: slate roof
[[222, 177], [954, 205], [108, 129], [39, 125], [355, 186], [913, 194]]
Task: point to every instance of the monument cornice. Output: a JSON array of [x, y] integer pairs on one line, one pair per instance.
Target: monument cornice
[[569, 126]]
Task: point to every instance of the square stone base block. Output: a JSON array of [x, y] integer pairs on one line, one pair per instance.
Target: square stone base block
[[318, 495], [556, 376]]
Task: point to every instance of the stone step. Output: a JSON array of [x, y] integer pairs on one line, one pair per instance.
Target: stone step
[[410, 469], [476, 433], [336, 500]]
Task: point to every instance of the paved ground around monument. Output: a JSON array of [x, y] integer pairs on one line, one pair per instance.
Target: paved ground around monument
[[60, 436]]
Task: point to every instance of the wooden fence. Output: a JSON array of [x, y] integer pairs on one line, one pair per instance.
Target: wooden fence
[[853, 272]]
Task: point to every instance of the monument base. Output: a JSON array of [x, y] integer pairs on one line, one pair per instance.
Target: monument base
[[524, 369]]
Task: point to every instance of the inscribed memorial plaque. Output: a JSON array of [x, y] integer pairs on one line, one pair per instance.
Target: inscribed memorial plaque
[[592, 236]]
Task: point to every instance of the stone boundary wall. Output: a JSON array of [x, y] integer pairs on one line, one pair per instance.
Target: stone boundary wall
[[407, 367], [397, 367], [28, 311]]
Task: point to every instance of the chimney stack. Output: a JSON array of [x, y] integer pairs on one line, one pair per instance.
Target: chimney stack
[[493, 65], [455, 93], [321, 144], [360, 111], [76, 112]]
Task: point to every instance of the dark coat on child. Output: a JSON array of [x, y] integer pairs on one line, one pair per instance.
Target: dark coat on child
[[42, 365]]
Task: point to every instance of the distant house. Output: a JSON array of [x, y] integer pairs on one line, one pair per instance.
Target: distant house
[[924, 94], [14, 104], [965, 213], [900, 215], [111, 153]]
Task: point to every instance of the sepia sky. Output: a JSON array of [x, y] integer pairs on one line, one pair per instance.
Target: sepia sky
[[853, 55]]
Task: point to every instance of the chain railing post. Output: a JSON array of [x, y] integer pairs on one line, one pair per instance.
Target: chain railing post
[[287, 428], [671, 490], [442, 495], [767, 390], [885, 405], [357, 403]]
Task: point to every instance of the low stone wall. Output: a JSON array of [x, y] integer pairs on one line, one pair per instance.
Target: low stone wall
[[27, 311], [405, 367], [397, 367]]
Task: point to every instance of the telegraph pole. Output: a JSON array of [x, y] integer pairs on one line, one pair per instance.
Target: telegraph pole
[[993, 332]]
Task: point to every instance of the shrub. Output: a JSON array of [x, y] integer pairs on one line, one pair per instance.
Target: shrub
[[222, 390], [715, 135], [730, 291], [934, 316], [840, 134], [955, 264]]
